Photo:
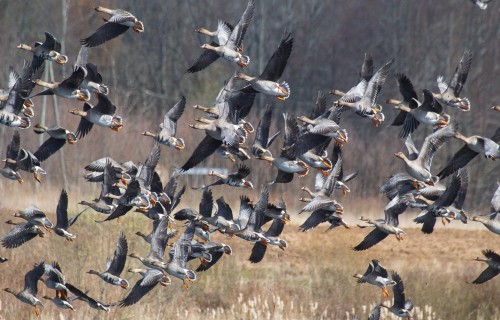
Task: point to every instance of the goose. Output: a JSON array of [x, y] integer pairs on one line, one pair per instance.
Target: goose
[[68, 88], [493, 261], [492, 220], [401, 307], [227, 49], [286, 163], [272, 235], [262, 141], [158, 244], [61, 300], [28, 162], [474, 145], [169, 127], [28, 294], [385, 227], [55, 279], [323, 215], [119, 22], [235, 179], [419, 168], [16, 102], [21, 233], [58, 137], [449, 91], [412, 112], [48, 50], [102, 114], [177, 267], [10, 170], [94, 304], [62, 224], [150, 278], [323, 198], [456, 188], [115, 267], [34, 215], [376, 275], [251, 218], [216, 250], [362, 98], [93, 79], [267, 83]]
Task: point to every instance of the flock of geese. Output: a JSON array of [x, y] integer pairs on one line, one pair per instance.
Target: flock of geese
[[127, 186]]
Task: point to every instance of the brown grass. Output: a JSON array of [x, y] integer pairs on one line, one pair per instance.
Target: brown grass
[[312, 279]]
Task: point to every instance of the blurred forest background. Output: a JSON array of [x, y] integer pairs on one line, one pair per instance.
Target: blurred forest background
[[146, 76]]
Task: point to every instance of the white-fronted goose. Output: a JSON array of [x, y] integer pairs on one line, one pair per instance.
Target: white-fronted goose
[[68, 88], [262, 140], [119, 22], [363, 102], [272, 235], [492, 220], [169, 127], [115, 267], [474, 145], [21, 233], [384, 227], [377, 276], [62, 224], [419, 168], [10, 170], [449, 92], [55, 279], [48, 50], [150, 278], [286, 163], [493, 261], [58, 138], [266, 82], [102, 114], [16, 101], [94, 304], [28, 294], [158, 245], [227, 49], [439, 208], [412, 112], [93, 79], [34, 215], [61, 299], [401, 307], [235, 179], [177, 267]]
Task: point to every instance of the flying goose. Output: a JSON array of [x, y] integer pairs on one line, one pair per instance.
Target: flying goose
[[267, 83], [119, 22], [169, 127], [62, 225], [94, 304], [493, 261], [419, 168], [401, 307], [28, 294], [412, 112], [102, 114], [68, 88], [48, 50], [115, 267], [492, 220], [58, 137], [449, 91], [376, 275], [227, 49], [10, 170], [474, 145], [150, 278], [384, 227]]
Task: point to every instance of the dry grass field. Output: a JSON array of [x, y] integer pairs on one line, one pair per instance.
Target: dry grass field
[[312, 279]]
